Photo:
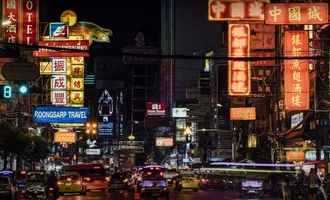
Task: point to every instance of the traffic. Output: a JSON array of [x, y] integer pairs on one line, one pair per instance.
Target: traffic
[[152, 181]]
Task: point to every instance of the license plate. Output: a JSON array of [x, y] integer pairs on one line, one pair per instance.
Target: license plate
[[67, 184]]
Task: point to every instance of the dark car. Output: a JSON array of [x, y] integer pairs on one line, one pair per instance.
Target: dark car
[[7, 189], [120, 181], [36, 185], [212, 182]]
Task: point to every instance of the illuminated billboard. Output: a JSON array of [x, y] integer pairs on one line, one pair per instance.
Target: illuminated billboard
[[296, 74], [243, 113], [164, 142], [65, 137], [239, 74], [296, 13], [11, 18], [59, 114], [30, 21], [220, 10]]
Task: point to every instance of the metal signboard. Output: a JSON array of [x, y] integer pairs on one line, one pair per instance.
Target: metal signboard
[[60, 114], [58, 82], [58, 30], [59, 97]]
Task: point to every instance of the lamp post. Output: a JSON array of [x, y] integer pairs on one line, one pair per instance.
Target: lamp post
[[131, 136]]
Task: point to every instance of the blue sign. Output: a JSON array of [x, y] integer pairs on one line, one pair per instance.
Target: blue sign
[[57, 114], [105, 128], [58, 29]]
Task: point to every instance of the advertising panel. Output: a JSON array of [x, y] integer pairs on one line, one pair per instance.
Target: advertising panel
[[296, 13], [45, 68], [164, 142], [65, 137], [77, 97], [77, 60], [82, 45], [30, 21], [296, 74], [239, 73], [59, 114], [77, 84], [105, 128], [77, 70], [295, 156], [155, 109], [179, 112], [220, 10], [297, 119], [10, 16], [58, 30], [59, 97], [243, 113], [58, 82], [93, 152], [59, 66]]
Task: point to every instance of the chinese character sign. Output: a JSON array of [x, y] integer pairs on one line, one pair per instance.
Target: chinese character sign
[[296, 13], [77, 84], [10, 15], [77, 97], [59, 65], [296, 75], [58, 82], [235, 10], [59, 97], [239, 82], [30, 21]]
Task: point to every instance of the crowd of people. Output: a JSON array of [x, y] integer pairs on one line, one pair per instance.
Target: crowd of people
[[314, 186]]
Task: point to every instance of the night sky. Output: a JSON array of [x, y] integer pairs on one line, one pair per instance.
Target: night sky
[[124, 18]]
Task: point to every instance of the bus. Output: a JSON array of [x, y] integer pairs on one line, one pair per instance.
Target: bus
[[94, 175]]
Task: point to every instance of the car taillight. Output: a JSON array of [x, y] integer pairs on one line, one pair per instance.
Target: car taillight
[[59, 182], [107, 179], [161, 174], [78, 182], [87, 179]]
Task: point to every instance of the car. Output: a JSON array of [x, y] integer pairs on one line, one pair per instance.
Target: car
[[36, 185], [71, 183], [211, 182], [171, 176], [120, 181], [188, 181], [252, 187], [152, 182], [7, 189]]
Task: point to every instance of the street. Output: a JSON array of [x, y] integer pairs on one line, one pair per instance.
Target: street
[[185, 195]]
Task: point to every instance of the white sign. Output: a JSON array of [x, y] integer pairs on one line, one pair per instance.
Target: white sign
[[93, 152], [297, 119], [58, 66], [59, 97], [58, 82], [179, 112], [164, 141]]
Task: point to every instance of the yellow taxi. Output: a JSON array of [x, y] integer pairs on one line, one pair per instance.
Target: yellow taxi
[[188, 181], [71, 183]]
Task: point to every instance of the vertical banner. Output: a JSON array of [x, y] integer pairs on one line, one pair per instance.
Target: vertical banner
[[10, 19], [30, 21], [239, 74], [296, 75]]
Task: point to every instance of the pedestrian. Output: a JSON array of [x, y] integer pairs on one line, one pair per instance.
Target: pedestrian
[[313, 184], [284, 187]]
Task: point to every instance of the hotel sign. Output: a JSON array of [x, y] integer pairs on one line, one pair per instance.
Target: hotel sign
[[296, 74], [296, 13], [239, 74], [10, 14], [220, 10], [30, 21]]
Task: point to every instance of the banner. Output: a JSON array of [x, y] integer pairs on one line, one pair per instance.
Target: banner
[[296, 75], [239, 74]]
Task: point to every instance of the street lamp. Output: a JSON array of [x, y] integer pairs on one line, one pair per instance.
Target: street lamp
[[131, 136], [91, 128]]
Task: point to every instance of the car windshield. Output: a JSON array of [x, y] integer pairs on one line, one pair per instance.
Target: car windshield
[[70, 177], [35, 178], [4, 181]]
